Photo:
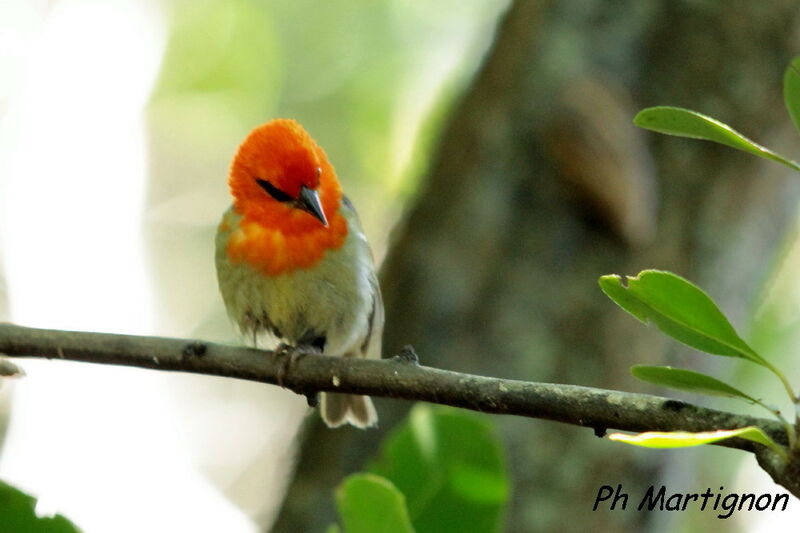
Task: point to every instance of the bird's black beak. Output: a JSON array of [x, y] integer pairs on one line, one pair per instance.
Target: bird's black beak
[[309, 202]]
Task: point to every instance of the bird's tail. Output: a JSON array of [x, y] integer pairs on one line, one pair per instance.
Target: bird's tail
[[338, 409]]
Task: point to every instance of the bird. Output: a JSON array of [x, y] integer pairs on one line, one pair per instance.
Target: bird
[[292, 260]]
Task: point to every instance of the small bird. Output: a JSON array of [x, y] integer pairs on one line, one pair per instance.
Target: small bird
[[293, 261]]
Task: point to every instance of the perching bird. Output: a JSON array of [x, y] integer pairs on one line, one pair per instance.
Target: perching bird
[[293, 261]]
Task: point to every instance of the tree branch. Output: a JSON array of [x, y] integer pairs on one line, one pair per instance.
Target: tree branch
[[401, 377]]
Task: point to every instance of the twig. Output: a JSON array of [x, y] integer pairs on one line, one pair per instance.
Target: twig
[[402, 377]]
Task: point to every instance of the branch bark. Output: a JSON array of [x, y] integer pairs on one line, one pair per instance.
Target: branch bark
[[401, 377]]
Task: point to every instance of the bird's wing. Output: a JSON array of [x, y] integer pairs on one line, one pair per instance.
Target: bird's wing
[[371, 348]]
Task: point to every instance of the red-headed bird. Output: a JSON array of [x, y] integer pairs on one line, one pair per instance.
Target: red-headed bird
[[293, 261]]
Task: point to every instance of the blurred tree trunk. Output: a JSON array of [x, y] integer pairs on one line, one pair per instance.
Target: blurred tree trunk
[[541, 184]]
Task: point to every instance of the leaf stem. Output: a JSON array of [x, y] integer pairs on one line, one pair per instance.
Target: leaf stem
[[791, 433], [786, 384], [777, 448]]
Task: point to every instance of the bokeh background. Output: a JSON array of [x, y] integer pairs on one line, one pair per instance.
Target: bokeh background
[[491, 141]]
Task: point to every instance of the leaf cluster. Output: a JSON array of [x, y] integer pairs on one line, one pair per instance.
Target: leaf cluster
[[685, 312], [441, 471]]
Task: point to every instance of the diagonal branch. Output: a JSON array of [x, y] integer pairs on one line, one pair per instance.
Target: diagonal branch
[[401, 377]]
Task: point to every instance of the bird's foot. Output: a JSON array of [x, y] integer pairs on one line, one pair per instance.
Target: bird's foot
[[407, 356], [289, 354]]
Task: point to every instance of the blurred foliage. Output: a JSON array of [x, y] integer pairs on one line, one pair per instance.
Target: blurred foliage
[[18, 515], [371, 504], [776, 326], [449, 465], [775, 331], [205, 38]]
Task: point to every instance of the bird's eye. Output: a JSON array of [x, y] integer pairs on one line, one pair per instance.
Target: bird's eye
[[319, 172], [275, 192]]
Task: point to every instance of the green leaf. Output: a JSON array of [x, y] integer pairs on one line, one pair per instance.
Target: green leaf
[[791, 91], [449, 464], [371, 504], [681, 310], [333, 528], [687, 380], [18, 513], [688, 123], [683, 439]]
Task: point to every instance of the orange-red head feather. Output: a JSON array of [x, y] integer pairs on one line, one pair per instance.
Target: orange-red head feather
[[282, 154]]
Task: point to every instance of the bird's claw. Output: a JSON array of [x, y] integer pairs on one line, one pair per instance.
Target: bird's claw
[[283, 351], [290, 355], [407, 356]]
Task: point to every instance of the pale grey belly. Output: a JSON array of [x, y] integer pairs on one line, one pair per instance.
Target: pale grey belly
[[330, 301]]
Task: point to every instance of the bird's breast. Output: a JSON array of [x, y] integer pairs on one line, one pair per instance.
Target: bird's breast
[[274, 251], [272, 290]]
